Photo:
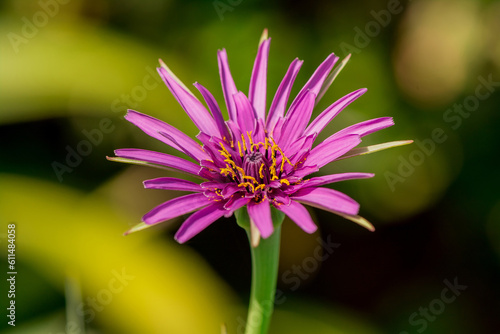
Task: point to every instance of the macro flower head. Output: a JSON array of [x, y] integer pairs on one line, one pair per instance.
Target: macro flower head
[[259, 158]]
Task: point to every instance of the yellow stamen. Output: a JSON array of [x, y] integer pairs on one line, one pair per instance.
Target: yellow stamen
[[224, 152], [249, 135], [275, 202], [247, 184], [261, 199], [244, 143], [251, 178], [233, 165], [285, 181], [239, 149], [273, 165], [260, 186], [261, 169], [283, 159], [228, 170]]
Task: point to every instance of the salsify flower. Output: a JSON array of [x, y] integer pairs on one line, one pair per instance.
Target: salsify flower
[[259, 158]]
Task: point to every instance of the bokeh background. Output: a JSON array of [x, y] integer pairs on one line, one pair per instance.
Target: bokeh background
[[69, 69]]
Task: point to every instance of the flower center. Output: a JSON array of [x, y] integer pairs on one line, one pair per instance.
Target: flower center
[[255, 166]]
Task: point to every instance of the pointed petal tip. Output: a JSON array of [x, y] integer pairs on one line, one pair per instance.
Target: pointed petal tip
[[139, 227], [359, 220], [264, 36], [344, 61]]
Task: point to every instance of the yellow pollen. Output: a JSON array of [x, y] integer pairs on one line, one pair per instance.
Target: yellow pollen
[[249, 135], [261, 169], [285, 181], [250, 182], [275, 202], [228, 170], [251, 178], [239, 149], [260, 186], [261, 199], [224, 152], [244, 143], [273, 165], [247, 184]]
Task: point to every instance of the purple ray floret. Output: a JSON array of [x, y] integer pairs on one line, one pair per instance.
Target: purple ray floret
[[258, 158]]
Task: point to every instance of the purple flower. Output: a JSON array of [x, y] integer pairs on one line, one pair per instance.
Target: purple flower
[[258, 158]]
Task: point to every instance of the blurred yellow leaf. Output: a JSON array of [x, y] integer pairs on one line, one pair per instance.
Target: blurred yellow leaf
[[137, 284]]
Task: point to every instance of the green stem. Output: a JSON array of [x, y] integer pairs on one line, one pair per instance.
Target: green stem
[[265, 260]]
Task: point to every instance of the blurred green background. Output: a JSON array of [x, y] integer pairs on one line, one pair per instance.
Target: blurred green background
[[69, 69]]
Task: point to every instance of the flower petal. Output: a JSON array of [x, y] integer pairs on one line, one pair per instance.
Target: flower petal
[[358, 220], [234, 129], [258, 81], [364, 128], [297, 118], [260, 215], [327, 179], [281, 198], [304, 171], [172, 183], [331, 77], [211, 145], [227, 82], [139, 227], [195, 110], [301, 146], [175, 208], [326, 152], [139, 155], [280, 100], [244, 112], [178, 140], [298, 213], [172, 74], [374, 148], [234, 204], [329, 113], [327, 199], [229, 189], [198, 221], [213, 106], [316, 81]]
